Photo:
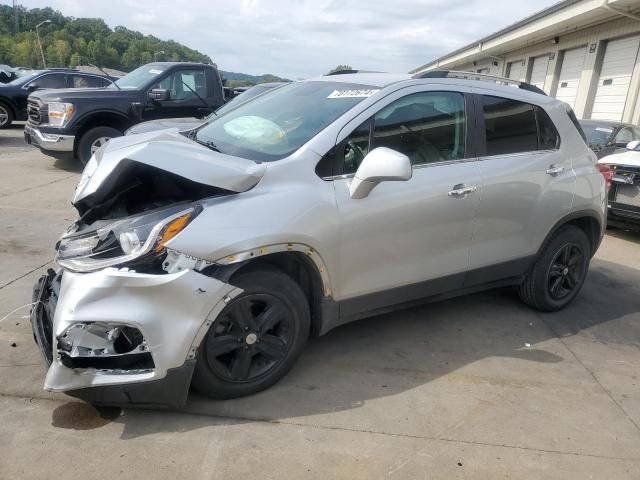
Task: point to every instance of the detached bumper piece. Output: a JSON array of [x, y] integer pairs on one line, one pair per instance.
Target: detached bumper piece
[[45, 299]]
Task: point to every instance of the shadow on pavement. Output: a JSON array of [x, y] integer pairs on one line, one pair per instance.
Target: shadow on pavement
[[394, 353]]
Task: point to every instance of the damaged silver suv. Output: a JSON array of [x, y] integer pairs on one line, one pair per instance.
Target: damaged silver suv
[[208, 258]]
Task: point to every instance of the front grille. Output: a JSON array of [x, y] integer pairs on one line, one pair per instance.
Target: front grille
[[35, 112]]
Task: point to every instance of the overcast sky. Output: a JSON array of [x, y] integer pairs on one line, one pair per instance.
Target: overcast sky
[[298, 39]]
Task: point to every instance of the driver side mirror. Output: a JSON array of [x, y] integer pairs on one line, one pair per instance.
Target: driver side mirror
[[380, 165], [159, 94], [33, 86], [634, 145]]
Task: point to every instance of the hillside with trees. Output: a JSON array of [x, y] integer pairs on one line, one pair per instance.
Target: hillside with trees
[[68, 42]]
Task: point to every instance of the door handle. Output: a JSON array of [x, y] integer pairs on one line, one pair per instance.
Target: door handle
[[462, 190], [555, 169]]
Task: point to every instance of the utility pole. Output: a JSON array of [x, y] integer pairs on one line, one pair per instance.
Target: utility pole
[[15, 17], [44, 63]]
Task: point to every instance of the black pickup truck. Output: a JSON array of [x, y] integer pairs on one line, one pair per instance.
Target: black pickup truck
[[75, 123]]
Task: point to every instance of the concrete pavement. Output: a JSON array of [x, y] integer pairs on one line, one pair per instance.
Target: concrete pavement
[[475, 387]]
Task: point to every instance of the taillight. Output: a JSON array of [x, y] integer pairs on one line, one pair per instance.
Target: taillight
[[607, 173]]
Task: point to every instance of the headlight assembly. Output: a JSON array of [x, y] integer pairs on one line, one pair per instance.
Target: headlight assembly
[[60, 113], [123, 240]]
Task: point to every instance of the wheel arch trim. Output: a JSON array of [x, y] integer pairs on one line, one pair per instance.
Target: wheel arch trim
[[265, 250], [572, 217]]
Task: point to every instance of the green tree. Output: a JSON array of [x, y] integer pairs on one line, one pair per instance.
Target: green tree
[[341, 67]]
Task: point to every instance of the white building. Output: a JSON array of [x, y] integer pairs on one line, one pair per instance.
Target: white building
[[584, 52]]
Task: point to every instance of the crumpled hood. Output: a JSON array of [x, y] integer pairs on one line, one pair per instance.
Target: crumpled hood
[[629, 158], [174, 153]]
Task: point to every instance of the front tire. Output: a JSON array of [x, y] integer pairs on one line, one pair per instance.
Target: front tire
[[93, 139], [6, 116], [559, 272], [256, 339]]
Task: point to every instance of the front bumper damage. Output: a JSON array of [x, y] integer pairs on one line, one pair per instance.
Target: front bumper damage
[[85, 326]]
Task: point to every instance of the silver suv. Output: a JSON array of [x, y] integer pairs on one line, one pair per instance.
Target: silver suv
[[209, 258]]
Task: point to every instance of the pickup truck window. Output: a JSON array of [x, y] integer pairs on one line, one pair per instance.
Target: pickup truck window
[[180, 82]]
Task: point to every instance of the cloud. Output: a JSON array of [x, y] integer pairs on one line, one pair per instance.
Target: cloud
[[305, 38]]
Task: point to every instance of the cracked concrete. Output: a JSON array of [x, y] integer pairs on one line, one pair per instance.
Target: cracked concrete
[[449, 390]]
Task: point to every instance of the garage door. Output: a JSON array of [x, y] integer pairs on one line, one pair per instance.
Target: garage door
[[539, 71], [515, 70], [570, 72], [615, 77]]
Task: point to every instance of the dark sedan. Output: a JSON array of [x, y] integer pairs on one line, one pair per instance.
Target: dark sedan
[[607, 137]]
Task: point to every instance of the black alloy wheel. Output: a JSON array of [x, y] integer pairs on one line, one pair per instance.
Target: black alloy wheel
[[252, 336], [256, 338], [566, 271], [559, 271]]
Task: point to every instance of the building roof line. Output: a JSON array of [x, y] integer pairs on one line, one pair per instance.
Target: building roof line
[[521, 23]]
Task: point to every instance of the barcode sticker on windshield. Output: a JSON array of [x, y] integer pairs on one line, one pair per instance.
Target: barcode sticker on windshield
[[353, 93], [604, 129], [155, 72]]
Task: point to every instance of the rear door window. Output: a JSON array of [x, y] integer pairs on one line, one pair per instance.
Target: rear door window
[[510, 126]]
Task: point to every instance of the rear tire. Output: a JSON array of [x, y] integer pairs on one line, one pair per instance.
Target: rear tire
[[559, 272], [6, 116], [256, 339], [94, 138]]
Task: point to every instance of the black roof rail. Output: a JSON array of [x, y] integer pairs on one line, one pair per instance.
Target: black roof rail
[[479, 76]]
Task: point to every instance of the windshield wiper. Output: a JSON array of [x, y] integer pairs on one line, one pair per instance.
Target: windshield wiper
[[108, 76], [208, 144], [204, 102]]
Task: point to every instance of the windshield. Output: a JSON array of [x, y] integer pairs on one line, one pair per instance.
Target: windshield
[[273, 126], [597, 134], [139, 78]]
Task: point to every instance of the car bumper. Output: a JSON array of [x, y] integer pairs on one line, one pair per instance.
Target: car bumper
[[50, 143], [172, 311]]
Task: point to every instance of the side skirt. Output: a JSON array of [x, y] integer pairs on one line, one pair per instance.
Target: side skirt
[[486, 278]]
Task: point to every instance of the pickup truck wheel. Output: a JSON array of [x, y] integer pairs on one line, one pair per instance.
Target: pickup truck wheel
[[256, 339], [93, 139], [559, 272], [6, 116]]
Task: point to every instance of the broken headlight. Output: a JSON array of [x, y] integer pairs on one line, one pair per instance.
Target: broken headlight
[[123, 240]]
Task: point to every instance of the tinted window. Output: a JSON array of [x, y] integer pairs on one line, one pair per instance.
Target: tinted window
[[427, 127], [597, 135], [183, 83], [548, 138], [54, 80], [574, 120], [86, 81], [510, 126], [356, 147]]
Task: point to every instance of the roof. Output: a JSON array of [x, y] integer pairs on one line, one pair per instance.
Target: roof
[[380, 80]]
